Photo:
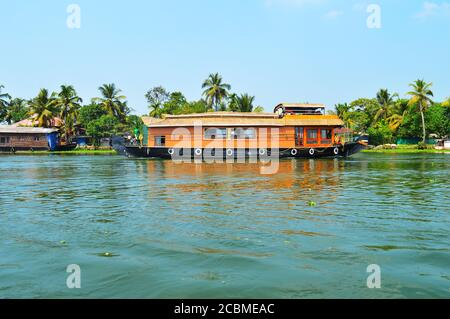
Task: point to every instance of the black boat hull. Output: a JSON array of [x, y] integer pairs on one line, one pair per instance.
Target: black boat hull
[[167, 153]]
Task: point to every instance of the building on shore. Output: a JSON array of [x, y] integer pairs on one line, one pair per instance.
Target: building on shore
[[14, 139]]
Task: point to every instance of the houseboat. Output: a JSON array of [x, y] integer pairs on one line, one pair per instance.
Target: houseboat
[[292, 130], [15, 138]]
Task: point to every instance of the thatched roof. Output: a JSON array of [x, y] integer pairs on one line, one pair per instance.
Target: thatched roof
[[231, 119], [9, 129]]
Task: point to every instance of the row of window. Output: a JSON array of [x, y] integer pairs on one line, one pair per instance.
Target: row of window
[[312, 135], [7, 139]]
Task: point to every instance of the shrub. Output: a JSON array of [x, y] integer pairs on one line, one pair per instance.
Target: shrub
[[380, 134]]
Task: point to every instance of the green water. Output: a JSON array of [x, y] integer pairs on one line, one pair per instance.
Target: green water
[[156, 229]]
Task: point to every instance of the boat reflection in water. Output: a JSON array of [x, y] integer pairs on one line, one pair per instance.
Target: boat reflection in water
[[294, 179]]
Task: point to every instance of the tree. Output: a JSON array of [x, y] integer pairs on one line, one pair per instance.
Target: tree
[[380, 134], [89, 113], [156, 97], [385, 101], [242, 103], [397, 114], [438, 120], [215, 90], [446, 103], [16, 110], [113, 103], [105, 126], [421, 96], [344, 112], [4, 101], [175, 104], [69, 104], [43, 108]]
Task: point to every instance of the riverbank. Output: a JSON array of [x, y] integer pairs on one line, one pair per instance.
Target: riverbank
[[73, 152], [407, 149]]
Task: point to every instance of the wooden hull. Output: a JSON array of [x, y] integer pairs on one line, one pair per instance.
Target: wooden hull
[[167, 153]]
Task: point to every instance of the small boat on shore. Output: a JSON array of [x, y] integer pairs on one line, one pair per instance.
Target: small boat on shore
[[293, 130]]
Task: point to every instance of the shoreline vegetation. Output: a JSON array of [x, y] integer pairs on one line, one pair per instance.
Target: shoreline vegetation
[[385, 119], [73, 152], [406, 149]]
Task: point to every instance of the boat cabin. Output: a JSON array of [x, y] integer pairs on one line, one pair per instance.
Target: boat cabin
[[291, 126]]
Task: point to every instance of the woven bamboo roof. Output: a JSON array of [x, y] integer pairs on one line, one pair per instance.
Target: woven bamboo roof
[[26, 130], [230, 119]]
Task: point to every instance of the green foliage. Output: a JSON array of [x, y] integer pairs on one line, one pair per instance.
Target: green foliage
[[5, 99], [241, 103], [380, 134], [422, 146], [89, 113], [421, 98], [113, 102], [175, 103], [437, 118], [43, 108], [156, 97], [411, 126], [105, 126], [16, 110], [215, 90]]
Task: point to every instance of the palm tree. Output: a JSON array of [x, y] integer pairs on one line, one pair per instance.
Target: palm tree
[[69, 104], [16, 111], [4, 101], [214, 90], [397, 114], [421, 96], [344, 111], [244, 102], [43, 108], [386, 101], [446, 103], [112, 101]]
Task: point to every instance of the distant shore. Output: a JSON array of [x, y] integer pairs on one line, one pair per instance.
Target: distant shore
[[73, 152], [407, 149]]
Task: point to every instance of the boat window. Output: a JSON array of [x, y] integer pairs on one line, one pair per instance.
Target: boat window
[[215, 133], [36, 138], [326, 136], [312, 135], [4, 140], [299, 132], [160, 141], [243, 134]]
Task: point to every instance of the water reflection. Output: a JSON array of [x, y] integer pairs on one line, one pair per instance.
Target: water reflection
[[159, 229]]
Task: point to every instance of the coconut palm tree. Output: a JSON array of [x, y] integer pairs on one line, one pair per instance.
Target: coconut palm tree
[[16, 111], [385, 101], [112, 101], [421, 97], [397, 114], [214, 90], [4, 101], [43, 108], [344, 112], [244, 102], [446, 103], [69, 104]]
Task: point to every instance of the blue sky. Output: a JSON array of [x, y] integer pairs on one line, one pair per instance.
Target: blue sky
[[278, 50]]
